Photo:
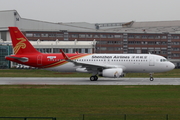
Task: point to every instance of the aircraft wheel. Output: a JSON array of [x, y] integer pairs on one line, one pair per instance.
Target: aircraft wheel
[[151, 78], [94, 78]]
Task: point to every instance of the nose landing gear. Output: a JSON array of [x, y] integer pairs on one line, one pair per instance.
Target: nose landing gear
[[151, 77]]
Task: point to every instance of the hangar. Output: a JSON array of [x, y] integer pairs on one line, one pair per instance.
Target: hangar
[[157, 37]]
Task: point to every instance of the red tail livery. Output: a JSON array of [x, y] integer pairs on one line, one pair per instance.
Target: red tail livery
[[20, 44]]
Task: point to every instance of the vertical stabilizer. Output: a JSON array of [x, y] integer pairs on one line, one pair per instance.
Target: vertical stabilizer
[[21, 45]]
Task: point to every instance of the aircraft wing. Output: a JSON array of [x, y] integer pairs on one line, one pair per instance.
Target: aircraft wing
[[90, 66], [94, 65]]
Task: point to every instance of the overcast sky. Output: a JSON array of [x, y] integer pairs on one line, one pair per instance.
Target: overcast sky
[[95, 11]]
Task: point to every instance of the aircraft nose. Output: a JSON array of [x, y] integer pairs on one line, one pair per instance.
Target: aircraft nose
[[171, 66]]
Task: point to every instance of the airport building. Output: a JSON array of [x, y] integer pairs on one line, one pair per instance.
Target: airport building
[[156, 37]]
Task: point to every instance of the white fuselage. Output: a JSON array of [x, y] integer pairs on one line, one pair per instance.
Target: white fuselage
[[141, 63]]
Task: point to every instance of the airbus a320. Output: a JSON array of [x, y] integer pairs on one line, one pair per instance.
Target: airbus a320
[[105, 65]]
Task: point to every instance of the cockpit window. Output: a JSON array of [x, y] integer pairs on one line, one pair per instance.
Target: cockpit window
[[163, 60]]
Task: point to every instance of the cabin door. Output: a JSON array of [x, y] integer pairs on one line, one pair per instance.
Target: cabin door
[[39, 60], [151, 61]]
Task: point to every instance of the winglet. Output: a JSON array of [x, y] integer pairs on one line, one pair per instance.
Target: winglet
[[65, 56]]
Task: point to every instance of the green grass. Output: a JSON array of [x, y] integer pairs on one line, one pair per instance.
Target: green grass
[[44, 73], [38, 73], [74, 100], [71, 101]]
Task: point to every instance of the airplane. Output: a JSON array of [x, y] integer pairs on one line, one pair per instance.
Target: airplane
[[105, 65]]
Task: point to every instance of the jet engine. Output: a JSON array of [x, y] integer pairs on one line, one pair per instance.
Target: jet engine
[[113, 73]]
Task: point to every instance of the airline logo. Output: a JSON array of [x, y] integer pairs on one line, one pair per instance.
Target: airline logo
[[19, 45], [51, 57]]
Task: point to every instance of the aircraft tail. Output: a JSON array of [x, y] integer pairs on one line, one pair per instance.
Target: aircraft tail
[[21, 45]]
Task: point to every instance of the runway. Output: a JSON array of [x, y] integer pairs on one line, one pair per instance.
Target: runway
[[86, 81]]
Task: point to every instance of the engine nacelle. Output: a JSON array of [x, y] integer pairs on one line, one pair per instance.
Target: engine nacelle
[[113, 73]]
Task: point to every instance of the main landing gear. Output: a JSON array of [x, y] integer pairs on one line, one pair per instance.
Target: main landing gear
[[151, 77], [94, 78]]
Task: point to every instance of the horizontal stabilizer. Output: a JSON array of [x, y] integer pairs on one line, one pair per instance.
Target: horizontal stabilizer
[[22, 59]]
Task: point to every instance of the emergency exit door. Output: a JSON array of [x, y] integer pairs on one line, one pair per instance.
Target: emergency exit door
[[39, 60]]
